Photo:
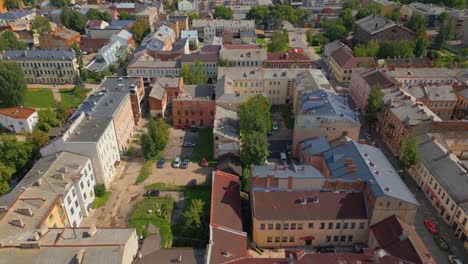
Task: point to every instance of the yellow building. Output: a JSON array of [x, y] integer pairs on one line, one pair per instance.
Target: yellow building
[[342, 61]]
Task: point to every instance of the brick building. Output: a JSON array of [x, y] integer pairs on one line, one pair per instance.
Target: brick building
[[440, 98], [194, 107], [375, 27], [60, 39], [461, 107]]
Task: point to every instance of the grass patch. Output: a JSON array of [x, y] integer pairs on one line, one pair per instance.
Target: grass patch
[[160, 216], [261, 41], [318, 50], [286, 112], [145, 171], [69, 99], [204, 146], [101, 201], [39, 98], [137, 135], [130, 151]]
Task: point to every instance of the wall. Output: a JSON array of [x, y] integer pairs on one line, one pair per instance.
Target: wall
[[49, 71], [224, 145], [57, 217], [187, 112], [130, 249], [124, 125]]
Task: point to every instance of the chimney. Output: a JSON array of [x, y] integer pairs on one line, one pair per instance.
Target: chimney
[[290, 183], [38, 182], [59, 176], [268, 181], [362, 141], [432, 138], [376, 25], [179, 259], [351, 168], [92, 230], [63, 170], [3, 209], [79, 256], [348, 161], [24, 211], [44, 229], [17, 222], [404, 235]]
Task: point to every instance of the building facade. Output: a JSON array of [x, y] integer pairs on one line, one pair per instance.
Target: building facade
[[375, 27], [194, 107], [45, 66], [61, 39], [18, 119]]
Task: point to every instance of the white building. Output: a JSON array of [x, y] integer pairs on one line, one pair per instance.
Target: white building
[[185, 5], [18, 119], [214, 28], [94, 138], [191, 35]]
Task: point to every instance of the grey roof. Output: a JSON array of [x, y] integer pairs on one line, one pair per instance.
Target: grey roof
[[38, 55], [464, 93], [253, 53], [314, 146], [374, 23], [325, 103], [444, 167], [427, 9], [199, 91], [371, 166], [296, 171], [171, 255], [201, 23], [110, 105], [157, 91], [16, 14], [202, 57], [120, 84], [433, 93], [226, 123], [332, 46], [88, 106], [168, 81], [90, 130]]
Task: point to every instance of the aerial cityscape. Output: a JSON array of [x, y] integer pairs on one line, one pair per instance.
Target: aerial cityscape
[[238, 131]]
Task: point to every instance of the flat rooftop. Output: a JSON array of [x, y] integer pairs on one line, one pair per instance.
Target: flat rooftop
[[90, 130]]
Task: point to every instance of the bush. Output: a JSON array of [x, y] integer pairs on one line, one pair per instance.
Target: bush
[[99, 190]]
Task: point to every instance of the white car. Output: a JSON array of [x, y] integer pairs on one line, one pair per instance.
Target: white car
[[454, 260], [176, 163], [275, 126]]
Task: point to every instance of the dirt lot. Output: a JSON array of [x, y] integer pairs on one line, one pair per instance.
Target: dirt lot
[[178, 176], [176, 141]]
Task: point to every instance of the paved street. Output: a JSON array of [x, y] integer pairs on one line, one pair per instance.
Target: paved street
[[297, 39]]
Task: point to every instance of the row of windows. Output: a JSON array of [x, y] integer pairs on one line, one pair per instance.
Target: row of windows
[[44, 64], [300, 226], [292, 239], [186, 112], [428, 81], [61, 73]]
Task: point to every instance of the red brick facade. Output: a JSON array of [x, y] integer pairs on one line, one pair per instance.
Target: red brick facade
[[187, 112]]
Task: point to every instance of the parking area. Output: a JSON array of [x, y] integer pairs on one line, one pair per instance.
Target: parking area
[[279, 140], [194, 174], [175, 147]]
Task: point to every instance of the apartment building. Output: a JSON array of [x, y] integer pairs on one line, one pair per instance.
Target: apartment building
[[226, 132], [214, 28], [92, 137], [441, 99], [375, 27], [194, 107], [18, 119], [209, 62], [323, 113], [342, 61], [132, 85], [429, 11], [438, 174], [148, 14], [243, 55], [426, 76], [290, 59], [151, 66], [461, 107], [45, 66], [60, 39], [158, 100]]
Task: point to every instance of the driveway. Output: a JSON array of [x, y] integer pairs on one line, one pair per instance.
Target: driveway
[[178, 176], [176, 140], [280, 140]]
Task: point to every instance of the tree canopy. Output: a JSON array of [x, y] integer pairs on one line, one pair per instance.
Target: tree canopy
[[74, 20], [417, 23], [254, 115], [60, 3], [363, 12], [374, 102], [409, 152], [193, 74], [140, 29], [334, 31], [94, 14], [347, 19], [126, 16], [9, 40], [223, 12], [402, 49], [254, 148], [155, 140], [274, 16], [12, 84], [279, 41], [41, 25], [371, 49]]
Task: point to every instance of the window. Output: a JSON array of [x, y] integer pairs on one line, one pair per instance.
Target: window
[[74, 192], [452, 207], [322, 225], [353, 225], [69, 200], [311, 225], [278, 226], [388, 203], [285, 239], [338, 226], [342, 238], [293, 226], [350, 238], [361, 225], [345, 225], [72, 211], [277, 239], [291, 239], [464, 221], [458, 214], [285, 226], [300, 226], [85, 196], [76, 203], [270, 226], [262, 226], [335, 239], [328, 239], [269, 239], [330, 225]]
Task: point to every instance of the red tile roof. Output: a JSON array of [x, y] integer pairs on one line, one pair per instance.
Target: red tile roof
[[388, 234], [225, 201], [285, 205], [227, 245], [287, 56], [94, 24], [243, 46], [17, 112], [344, 57]]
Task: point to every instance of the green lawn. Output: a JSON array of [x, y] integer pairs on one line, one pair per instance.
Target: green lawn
[[39, 98], [159, 216], [261, 41], [69, 99], [287, 116], [101, 201], [204, 146], [318, 50], [145, 171]]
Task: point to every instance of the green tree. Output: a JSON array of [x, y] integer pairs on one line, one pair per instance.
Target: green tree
[[335, 31], [193, 74], [347, 19], [409, 152], [74, 20], [254, 115], [402, 49], [352, 4], [302, 15], [417, 23], [374, 8], [37, 139], [369, 50], [148, 146], [374, 102], [279, 41], [192, 16], [318, 40], [60, 3], [194, 214], [440, 38], [442, 17], [12, 84], [9, 40], [363, 12], [41, 25], [47, 119], [126, 16], [420, 46], [259, 14], [162, 134], [223, 12], [62, 111], [309, 36], [15, 154], [140, 29], [396, 15], [5, 175], [254, 148], [94, 14]]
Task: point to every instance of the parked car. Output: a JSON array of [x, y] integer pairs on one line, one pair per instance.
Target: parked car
[[193, 128], [441, 243], [176, 163], [189, 144], [454, 259], [275, 126], [369, 137], [161, 163], [203, 162], [269, 133], [151, 193], [431, 226], [185, 163]]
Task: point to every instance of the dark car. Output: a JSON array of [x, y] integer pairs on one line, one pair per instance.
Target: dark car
[[161, 163], [193, 128], [185, 163], [151, 193], [441, 243]]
